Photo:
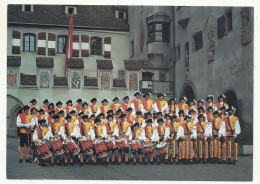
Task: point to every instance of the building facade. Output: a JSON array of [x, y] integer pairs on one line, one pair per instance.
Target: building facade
[[214, 55]]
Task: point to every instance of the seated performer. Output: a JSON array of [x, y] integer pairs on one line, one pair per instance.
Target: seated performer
[[136, 103], [116, 105], [182, 106], [201, 103], [204, 132], [192, 105], [209, 113], [126, 104], [232, 131], [24, 124], [40, 116], [172, 106], [181, 116], [45, 105], [139, 119], [33, 104], [40, 136], [68, 132], [193, 115], [50, 108], [160, 105], [147, 103], [129, 115], [149, 138], [221, 102], [136, 142], [104, 108], [188, 133], [86, 109], [55, 140], [162, 146], [94, 105]]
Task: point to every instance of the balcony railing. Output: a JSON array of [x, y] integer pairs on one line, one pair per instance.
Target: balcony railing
[[156, 86]]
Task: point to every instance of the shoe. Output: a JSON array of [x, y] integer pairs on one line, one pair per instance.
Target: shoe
[[28, 160], [127, 163], [140, 163], [118, 163], [65, 164], [94, 163], [52, 164], [234, 162], [81, 164], [134, 163], [229, 161], [113, 163], [43, 165], [177, 162], [166, 162], [151, 163], [59, 164], [145, 163], [185, 162], [21, 160], [191, 162], [158, 163], [204, 161]]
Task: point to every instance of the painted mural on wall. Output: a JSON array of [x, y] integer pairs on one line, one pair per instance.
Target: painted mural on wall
[[121, 74], [44, 79], [105, 80], [133, 81], [211, 46], [75, 80], [246, 26], [11, 78]]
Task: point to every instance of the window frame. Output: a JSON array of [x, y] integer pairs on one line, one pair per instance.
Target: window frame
[[228, 21], [29, 34], [132, 48], [151, 27], [196, 41], [178, 49], [65, 44], [101, 45]]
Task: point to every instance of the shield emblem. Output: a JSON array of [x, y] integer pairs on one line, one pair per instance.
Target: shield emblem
[[11, 80]]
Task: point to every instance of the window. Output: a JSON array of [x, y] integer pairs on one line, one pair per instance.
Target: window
[[221, 26], [158, 32], [187, 56], [69, 9], [198, 41], [120, 14], [27, 8], [96, 47], [178, 52], [132, 48], [62, 44], [229, 20], [29, 42]]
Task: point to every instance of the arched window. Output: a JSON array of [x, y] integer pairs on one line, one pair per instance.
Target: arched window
[[29, 42], [62, 44], [96, 46], [189, 93]]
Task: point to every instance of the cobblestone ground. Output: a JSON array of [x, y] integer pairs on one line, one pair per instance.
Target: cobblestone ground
[[242, 171]]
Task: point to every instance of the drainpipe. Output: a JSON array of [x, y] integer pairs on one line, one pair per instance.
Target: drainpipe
[[174, 51]]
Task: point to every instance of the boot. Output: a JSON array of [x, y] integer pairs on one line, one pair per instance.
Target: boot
[[191, 161], [229, 161], [37, 161], [94, 160], [140, 159], [21, 154], [81, 160], [107, 160], [151, 159], [28, 155], [134, 159], [52, 160], [65, 160], [113, 157], [158, 160], [119, 158], [145, 159], [87, 160], [126, 159], [71, 161]]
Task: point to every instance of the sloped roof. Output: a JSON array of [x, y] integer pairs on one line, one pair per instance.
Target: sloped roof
[[102, 17], [44, 62], [13, 61], [104, 64], [75, 63], [137, 65]]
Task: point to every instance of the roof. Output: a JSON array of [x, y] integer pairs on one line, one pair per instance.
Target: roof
[[27, 79], [119, 83], [54, 15], [90, 81], [75, 63], [44, 62], [13, 61], [104, 64], [60, 81], [137, 65]]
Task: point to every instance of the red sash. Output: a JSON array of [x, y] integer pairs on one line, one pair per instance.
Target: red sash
[[78, 107], [158, 103], [200, 134], [160, 130], [147, 131], [39, 132], [145, 104], [108, 127], [124, 106], [102, 108], [53, 128], [44, 107], [92, 108], [136, 105], [228, 128], [39, 117], [128, 118], [113, 107], [208, 116], [67, 108], [219, 105], [180, 106], [82, 128], [56, 110], [23, 118]]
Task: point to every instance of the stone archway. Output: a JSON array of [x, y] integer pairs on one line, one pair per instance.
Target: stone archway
[[14, 105], [188, 91]]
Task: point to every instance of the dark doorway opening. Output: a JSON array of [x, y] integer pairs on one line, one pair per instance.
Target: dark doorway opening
[[147, 76], [231, 100], [189, 93]]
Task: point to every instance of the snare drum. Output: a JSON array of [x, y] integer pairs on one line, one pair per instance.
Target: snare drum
[[148, 147], [100, 149], [111, 143], [161, 149], [86, 145], [136, 146], [71, 147], [122, 143], [42, 150], [57, 146]]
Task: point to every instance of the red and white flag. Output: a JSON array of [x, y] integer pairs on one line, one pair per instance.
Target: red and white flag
[[69, 47]]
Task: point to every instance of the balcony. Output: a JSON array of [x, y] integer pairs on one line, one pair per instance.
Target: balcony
[[156, 86], [183, 15]]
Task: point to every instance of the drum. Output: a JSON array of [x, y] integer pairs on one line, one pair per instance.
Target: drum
[[71, 147], [100, 149], [57, 146], [111, 143], [161, 149], [148, 147], [86, 145], [42, 150], [122, 143], [136, 146]]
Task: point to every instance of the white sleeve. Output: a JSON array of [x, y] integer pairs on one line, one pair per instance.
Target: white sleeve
[[104, 134], [98, 111], [89, 112], [19, 123], [91, 134], [167, 133], [237, 128], [35, 136], [76, 122], [65, 112], [143, 137], [128, 133], [116, 131], [130, 137], [222, 129], [154, 107], [48, 134], [180, 132], [33, 122], [133, 107], [208, 130], [122, 109], [155, 136], [142, 109], [194, 132], [76, 132], [177, 111], [62, 132], [143, 124], [165, 108]]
